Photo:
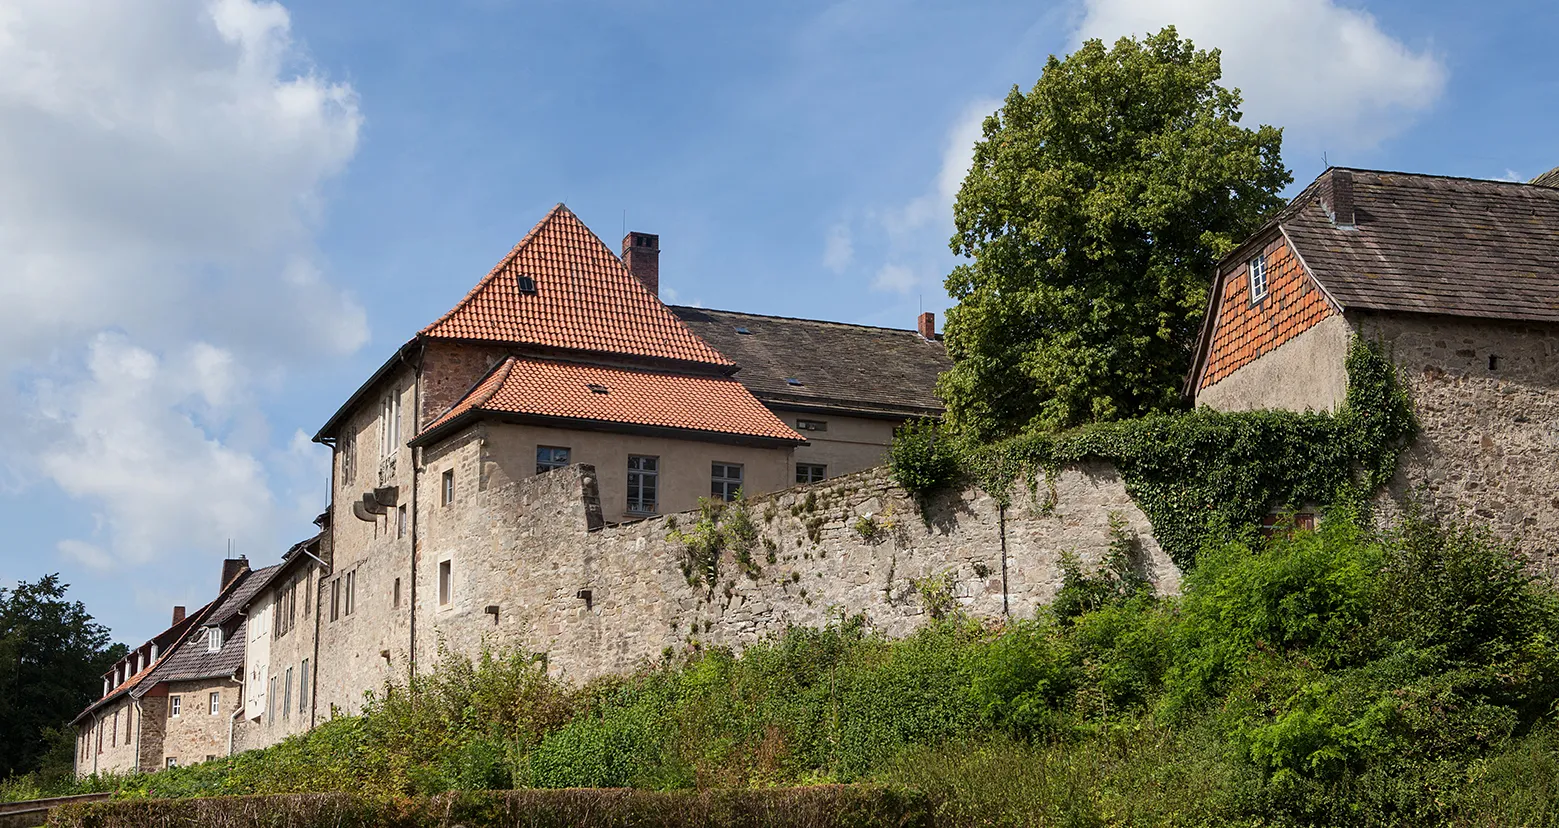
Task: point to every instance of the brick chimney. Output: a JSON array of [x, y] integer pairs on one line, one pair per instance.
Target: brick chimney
[[178, 615], [1341, 198], [641, 253], [927, 325], [232, 568]]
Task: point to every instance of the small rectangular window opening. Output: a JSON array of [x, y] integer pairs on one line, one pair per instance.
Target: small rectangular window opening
[[811, 425], [526, 284], [597, 388], [174, 702], [395, 600], [445, 582], [215, 702], [448, 488], [811, 472], [400, 521], [551, 457], [1258, 278], [1493, 362]]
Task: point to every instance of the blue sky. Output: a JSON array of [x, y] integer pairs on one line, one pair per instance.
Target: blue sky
[[224, 214]]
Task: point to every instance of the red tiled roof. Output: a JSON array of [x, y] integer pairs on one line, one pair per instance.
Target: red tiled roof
[[564, 390], [585, 299]]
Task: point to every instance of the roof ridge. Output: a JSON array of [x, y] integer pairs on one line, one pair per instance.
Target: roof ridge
[[556, 210], [1473, 179], [795, 319]]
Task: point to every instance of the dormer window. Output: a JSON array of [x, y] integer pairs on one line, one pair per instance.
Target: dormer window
[[213, 639], [526, 284], [1258, 278]]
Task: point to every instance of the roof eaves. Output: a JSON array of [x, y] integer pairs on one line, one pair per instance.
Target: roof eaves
[[327, 431]]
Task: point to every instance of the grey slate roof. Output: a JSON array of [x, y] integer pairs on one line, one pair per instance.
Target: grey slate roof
[[1433, 244], [840, 366], [191, 660]]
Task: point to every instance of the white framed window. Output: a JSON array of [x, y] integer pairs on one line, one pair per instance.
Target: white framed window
[[270, 701], [447, 490], [173, 762], [811, 472], [643, 484], [551, 457], [303, 686], [215, 701], [351, 593], [286, 699], [1258, 278], [390, 425], [446, 582], [725, 480], [213, 639], [174, 703]]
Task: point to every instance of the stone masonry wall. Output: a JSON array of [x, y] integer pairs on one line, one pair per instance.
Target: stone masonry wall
[[607, 598], [197, 733], [1488, 445]]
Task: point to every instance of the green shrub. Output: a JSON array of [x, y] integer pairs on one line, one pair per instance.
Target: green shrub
[[922, 458]]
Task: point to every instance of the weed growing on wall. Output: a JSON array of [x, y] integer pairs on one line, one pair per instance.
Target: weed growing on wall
[[1201, 472], [720, 526]]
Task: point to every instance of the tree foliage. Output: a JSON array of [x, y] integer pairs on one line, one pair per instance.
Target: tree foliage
[[52, 658], [1095, 208]]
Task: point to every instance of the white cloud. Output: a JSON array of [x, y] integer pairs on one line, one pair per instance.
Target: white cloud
[[163, 163], [896, 278], [838, 249], [161, 480], [1326, 73]]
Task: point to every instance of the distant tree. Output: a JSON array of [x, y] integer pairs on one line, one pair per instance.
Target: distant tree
[[52, 658], [1094, 210]]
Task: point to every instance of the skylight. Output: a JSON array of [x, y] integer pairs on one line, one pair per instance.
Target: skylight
[[597, 388], [793, 381], [744, 331]]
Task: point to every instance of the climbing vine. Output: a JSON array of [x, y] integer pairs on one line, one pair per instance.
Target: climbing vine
[[1201, 471]]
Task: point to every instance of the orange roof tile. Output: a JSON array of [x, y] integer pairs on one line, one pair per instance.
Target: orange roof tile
[[564, 390], [585, 299]]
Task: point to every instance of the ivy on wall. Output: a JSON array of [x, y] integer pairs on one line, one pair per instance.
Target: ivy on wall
[[1202, 471]]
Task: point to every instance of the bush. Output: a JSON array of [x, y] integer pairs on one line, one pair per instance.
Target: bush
[[922, 458]]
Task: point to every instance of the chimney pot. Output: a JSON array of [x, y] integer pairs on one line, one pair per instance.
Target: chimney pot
[[641, 253], [1342, 198], [178, 615], [927, 325]]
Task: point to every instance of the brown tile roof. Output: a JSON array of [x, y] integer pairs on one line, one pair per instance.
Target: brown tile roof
[[191, 660], [854, 367], [1432, 244], [570, 391], [584, 299]]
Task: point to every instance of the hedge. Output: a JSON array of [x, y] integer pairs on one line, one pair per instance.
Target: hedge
[[823, 806]]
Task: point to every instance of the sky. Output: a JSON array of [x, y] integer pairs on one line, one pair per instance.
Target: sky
[[220, 216]]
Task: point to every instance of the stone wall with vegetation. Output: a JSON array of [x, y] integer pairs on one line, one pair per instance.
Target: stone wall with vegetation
[[536, 569]]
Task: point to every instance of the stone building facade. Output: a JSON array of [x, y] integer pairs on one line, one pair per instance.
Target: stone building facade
[[281, 653], [1457, 280]]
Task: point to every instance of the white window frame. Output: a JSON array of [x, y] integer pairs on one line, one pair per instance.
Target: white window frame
[[286, 699], [720, 480], [1256, 271], [175, 705], [213, 639], [390, 425], [638, 476], [447, 489], [303, 686], [215, 699], [172, 762]]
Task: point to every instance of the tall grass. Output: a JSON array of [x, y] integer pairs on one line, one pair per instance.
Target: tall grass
[[1336, 677]]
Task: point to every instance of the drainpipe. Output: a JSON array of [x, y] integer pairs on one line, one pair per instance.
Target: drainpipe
[[416, 536], [1001, 528], [140, 718], [95, 744], [232, 721]]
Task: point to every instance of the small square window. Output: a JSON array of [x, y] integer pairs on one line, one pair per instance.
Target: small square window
[[810, 472], [448, 487], [1258, 278], [725, 481], [551, 457], [172, 762]]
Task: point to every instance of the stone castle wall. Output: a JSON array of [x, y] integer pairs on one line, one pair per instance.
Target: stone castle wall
[[1489, 435], [197, 733], [532, 566]]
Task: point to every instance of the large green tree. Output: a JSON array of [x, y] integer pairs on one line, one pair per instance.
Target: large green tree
[[1095, 208], [52, 658]]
